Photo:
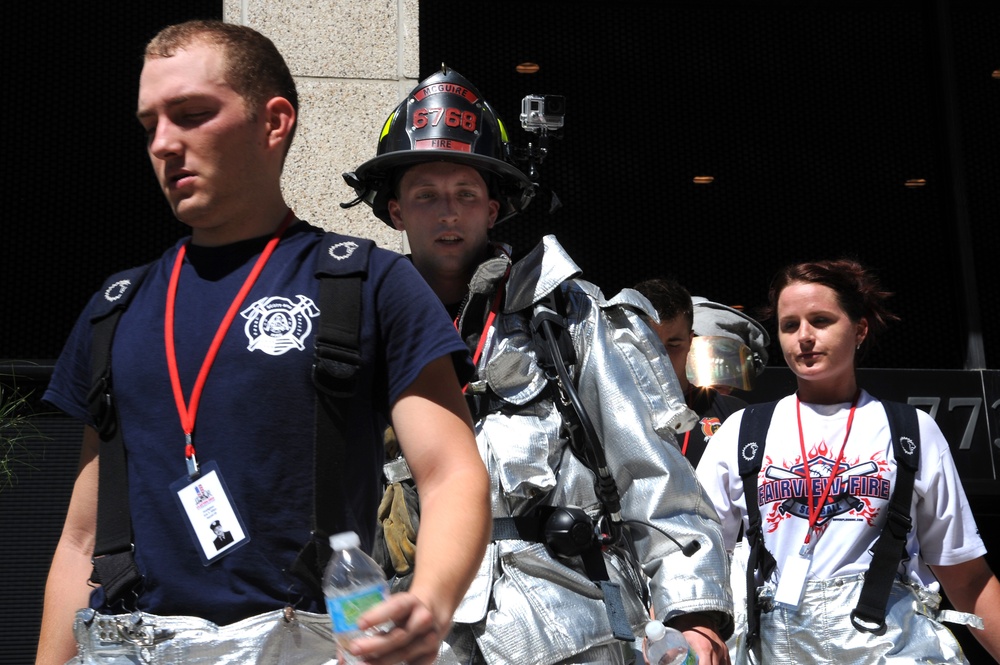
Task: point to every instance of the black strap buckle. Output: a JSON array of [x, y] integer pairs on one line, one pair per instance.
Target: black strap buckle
[[116, 573], [102, 410], [867, 624], [335, 371], [899, 524]]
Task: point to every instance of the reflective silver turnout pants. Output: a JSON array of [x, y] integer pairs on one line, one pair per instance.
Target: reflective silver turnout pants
[[275, 638], [820, 630]]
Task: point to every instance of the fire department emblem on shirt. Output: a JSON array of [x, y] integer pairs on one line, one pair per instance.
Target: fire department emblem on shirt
[[276, 324]]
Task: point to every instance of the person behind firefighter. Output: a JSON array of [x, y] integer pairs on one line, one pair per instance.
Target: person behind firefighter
[[444, 175], [817, 603], [712, 348], [729, 349]]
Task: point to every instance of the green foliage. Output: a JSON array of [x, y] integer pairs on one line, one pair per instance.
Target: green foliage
[[16, 430]]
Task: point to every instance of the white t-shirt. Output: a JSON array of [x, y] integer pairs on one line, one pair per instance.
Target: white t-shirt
[[944, 531]]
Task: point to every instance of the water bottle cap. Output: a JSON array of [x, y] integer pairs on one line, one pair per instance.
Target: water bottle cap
[[343, 541], [655, 630]]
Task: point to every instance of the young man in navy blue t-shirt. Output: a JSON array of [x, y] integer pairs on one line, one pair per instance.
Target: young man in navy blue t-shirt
[[211, 367]]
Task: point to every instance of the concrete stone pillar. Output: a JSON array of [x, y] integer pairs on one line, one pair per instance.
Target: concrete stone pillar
[[353, 61]]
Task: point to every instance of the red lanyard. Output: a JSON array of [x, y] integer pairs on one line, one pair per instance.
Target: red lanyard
[[814, 511], [486, 328], [188, 412], [494, 308]]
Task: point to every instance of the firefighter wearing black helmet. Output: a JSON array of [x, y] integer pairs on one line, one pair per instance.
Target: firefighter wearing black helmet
[[569, 577], [446, 119]]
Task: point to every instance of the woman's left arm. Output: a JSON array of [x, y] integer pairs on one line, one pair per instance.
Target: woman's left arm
[[972, 587]]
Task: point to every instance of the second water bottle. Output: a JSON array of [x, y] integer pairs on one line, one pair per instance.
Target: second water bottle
[[666, 646]]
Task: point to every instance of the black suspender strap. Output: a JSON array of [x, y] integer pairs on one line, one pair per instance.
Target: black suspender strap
[[338, 355], [114, 564], [342, 267], [753, 436], [890, 548]]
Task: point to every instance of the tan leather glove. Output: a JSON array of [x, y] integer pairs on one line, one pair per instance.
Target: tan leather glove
[[398, 514]]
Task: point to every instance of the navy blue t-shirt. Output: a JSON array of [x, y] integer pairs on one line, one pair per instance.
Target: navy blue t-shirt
[[256, 415]]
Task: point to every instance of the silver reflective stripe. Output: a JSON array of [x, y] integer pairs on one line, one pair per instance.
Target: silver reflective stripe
[[396, 471], [962, 618]]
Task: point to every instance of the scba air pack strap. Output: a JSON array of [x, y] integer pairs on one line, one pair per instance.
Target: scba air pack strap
[[555, 352], [889, 549], [341, 267]]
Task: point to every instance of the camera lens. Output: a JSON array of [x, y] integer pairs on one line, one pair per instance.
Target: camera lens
[[555, 105]]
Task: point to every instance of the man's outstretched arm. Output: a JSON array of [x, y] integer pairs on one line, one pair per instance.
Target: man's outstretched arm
[[434, 429]]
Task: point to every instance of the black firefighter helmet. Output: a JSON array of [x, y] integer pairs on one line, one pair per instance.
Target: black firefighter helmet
[[444, 118]]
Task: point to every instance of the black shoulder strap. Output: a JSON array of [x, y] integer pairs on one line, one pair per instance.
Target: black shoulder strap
[[890, 548], [753, 435], [342, 266], [114, 565]]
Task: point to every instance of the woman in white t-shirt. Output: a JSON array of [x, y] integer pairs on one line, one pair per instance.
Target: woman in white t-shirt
[[821, 532]]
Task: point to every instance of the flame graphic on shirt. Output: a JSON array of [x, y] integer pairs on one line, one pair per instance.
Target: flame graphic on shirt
[[859, 488]]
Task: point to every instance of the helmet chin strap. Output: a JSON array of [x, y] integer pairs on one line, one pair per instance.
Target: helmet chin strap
[[357, 186], [352, 203]]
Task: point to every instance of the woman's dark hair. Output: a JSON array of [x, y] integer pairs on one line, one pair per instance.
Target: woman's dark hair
[[858, 290]]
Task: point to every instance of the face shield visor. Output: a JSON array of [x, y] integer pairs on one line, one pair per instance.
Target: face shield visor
[[720, 361]]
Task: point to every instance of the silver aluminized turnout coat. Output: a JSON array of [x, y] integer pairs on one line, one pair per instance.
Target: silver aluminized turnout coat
[[527, 605]]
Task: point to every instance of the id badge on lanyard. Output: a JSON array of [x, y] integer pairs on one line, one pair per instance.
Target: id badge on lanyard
[[202, 496], [792, 583], [795, 568], [210, 516]]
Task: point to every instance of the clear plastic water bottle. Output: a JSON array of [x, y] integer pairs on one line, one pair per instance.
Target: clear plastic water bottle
[[352, 583], [667, 646]]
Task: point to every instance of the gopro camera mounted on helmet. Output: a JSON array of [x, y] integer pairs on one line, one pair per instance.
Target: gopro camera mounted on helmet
[[445, 118], [542, 113]]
